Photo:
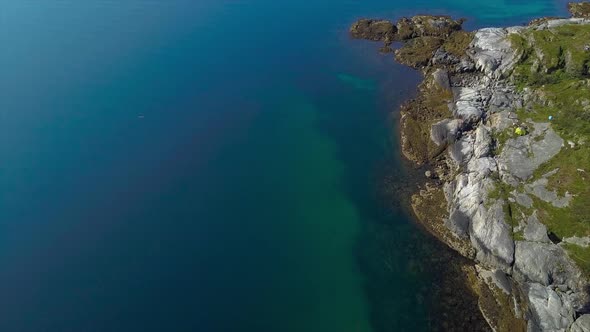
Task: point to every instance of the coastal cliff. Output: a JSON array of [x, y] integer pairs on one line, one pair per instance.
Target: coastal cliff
[[501, 122]]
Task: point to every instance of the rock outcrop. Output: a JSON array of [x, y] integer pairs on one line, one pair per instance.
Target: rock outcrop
[[460, 125]]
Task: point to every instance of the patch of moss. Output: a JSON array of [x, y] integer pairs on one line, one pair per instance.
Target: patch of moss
[[580, 255], [458, 42], [418, 51], [552, 55], [563, 222], [518, 236], [429, 107], [571, 177]]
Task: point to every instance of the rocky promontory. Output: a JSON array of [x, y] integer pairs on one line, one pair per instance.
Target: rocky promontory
[[501, 122]]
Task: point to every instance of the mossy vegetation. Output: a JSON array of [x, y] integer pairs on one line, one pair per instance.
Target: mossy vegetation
[[417, 52], [420, 114], [458, 42], [570, 177], [552, 55], [580, 255]]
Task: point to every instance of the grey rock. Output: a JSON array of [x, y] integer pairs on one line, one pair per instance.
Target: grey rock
[[579, 241], [539, 189], [462, 150], [522, 199], [483, 142], [465, 65], [582, 324], [468, 104], [521, 156], [492, 51], [497, 277], [441, 57], [535, 231], [552, 311], [560, 22], [458, 223], [441, 78], [501, 100], [445, 131], [545, 264], [492, 237], [482, 167], [550, 173], [502, 120]]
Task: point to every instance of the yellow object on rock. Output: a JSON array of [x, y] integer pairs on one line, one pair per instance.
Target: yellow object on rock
[[520, 131]]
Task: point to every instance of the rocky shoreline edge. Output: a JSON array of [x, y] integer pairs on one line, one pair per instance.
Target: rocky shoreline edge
[[500, 189]]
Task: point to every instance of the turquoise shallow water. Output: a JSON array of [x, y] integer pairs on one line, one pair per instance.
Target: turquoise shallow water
[[208, 166]]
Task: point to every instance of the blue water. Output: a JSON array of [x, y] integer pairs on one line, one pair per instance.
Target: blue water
[[207, 165]]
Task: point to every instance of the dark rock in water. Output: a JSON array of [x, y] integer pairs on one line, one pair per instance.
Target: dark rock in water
[[376, 30], [579, 9]]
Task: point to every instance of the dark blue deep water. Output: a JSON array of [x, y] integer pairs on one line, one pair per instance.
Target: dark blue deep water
[[208, 165]]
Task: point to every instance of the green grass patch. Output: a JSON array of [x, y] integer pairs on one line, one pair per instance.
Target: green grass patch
[[554, 63], [549, 56], [580, 255]]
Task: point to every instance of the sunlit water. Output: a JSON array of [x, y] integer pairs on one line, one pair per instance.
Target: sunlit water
[[208, 166]]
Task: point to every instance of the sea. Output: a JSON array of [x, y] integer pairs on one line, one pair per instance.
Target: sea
[[212, 165]]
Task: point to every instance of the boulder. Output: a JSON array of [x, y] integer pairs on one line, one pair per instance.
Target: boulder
[[483, 142], [551, 311], [462, 150], [535, 231], [440, 77], [458, 223], [468, 103], [545, 264], [582, 324], [492, 237], [522, 155], [445, 131]]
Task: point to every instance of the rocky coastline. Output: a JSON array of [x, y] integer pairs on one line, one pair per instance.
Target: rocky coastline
[[501, 122]]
